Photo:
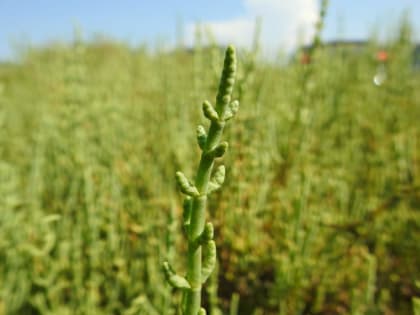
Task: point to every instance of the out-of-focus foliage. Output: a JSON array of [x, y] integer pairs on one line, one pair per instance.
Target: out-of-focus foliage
[[320, 213]]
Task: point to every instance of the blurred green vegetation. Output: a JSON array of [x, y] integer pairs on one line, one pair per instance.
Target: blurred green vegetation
[[320, 213]]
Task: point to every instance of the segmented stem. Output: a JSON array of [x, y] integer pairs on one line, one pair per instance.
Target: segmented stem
[[201, 257]]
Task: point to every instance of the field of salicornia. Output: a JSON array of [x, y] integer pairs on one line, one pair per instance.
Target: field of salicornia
[[319, 213]]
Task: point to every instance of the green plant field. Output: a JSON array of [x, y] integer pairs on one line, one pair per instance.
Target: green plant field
[[320, 210]]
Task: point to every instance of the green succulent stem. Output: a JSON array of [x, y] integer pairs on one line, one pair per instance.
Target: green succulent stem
[[201, 256]]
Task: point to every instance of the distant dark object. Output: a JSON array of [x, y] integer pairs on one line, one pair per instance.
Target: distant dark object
[[353, 47], [416, 57]]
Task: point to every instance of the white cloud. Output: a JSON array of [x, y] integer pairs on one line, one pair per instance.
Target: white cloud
[[283, 22], [235, 30]]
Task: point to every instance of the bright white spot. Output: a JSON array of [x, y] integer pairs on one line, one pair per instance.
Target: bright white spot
[[380, 76]]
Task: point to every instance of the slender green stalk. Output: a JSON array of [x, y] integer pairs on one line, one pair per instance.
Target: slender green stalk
[[201, 257]]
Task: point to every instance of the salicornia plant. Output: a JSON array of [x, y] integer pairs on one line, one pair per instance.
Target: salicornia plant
[[201, 257]]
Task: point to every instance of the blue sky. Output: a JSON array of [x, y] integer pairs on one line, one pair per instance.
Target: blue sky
[[39, 21]]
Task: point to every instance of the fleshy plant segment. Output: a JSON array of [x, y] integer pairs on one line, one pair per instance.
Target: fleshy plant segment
[[201, 256]]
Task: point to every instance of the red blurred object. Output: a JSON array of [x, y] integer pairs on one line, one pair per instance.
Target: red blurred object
[[382, 56], [305, 59]]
